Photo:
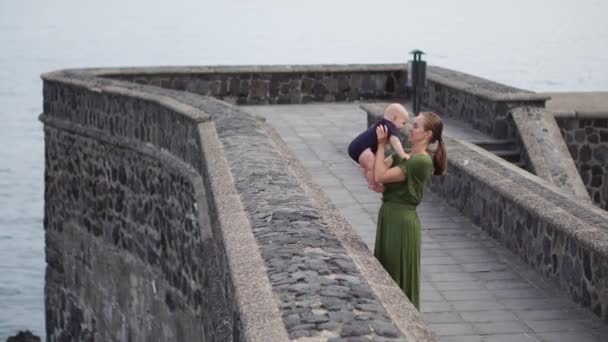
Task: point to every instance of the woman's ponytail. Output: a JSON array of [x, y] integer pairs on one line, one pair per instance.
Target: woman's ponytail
[[440, 158]]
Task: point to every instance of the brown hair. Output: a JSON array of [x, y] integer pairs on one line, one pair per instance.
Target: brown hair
[[434, 124]]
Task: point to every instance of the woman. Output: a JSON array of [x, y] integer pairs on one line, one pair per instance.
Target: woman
[[398, 233]]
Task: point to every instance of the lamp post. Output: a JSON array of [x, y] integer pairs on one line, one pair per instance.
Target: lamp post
[[417, 76]]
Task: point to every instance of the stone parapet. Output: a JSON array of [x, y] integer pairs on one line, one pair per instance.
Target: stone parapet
[[152, 235], [279, 84], [548, 155], [565, 239], [481, 103], [174, 216]]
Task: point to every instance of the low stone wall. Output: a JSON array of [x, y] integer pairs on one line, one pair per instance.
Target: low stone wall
[[587, 140], [277, 84], [479, 102], [564, 239], [173, 216]]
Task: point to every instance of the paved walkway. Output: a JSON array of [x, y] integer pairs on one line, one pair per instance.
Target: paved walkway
[[472, 289]]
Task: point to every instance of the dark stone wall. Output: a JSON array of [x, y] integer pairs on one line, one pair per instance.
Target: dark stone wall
[[587, 140], [123, 116], [131, 253], [559, 237], [283, 87]]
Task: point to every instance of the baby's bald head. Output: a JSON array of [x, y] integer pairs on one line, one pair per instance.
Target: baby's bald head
[[397, 114]]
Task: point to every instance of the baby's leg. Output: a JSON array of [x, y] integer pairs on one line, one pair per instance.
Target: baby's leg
[[367, 160]]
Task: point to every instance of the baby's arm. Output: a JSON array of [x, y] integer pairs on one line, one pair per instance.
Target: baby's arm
[[396, 143]]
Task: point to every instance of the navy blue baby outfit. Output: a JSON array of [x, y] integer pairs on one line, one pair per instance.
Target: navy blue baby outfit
[[369, 139]]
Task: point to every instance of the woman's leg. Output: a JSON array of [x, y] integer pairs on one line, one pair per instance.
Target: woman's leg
[[398, 248]]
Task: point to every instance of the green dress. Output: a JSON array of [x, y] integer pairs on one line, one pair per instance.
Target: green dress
[[398, 233]]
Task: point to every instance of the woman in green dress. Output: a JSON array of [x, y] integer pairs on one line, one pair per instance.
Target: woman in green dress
[[398, 233]]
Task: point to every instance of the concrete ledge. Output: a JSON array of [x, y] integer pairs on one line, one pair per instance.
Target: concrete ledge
[[481, 87], [254, 299], [548, 154], [243, 69], [579, 105]]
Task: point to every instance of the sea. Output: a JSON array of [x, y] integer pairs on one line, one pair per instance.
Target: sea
[[542, 45]]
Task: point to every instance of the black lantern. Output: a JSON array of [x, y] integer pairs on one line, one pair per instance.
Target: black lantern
[[417, 78]]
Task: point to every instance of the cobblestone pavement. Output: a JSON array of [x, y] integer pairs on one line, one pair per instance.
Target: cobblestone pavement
[[472, 289]]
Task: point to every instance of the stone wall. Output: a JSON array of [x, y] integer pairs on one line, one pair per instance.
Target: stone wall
[[124, 247], [279, 84], [128, 232], [587, 140], [481, 103], [565, 240], [173, 216]]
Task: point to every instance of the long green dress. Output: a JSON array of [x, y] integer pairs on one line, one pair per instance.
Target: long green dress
[[398, 233]]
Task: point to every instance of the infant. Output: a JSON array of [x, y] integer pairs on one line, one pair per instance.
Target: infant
[[363, 148]]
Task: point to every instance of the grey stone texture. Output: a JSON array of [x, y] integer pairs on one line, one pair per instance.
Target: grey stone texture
[[547, 152], [281, 85], [162, 204], [587, 141]]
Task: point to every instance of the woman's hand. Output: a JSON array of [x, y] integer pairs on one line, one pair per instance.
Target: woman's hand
[[382, 134]]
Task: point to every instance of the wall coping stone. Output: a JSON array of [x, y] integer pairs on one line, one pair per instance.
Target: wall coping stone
[[240, 69], [260, 318], [547, 151], [580, 115], [481, 87]]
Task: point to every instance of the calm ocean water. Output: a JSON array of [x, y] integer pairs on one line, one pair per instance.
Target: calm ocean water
[[537, 45]]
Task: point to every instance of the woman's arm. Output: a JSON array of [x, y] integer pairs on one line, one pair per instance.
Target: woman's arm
[[382, 174]]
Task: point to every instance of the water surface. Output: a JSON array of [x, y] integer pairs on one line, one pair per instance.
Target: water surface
[[537, 45]]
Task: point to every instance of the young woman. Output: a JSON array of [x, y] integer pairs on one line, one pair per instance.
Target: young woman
[[398, 233]]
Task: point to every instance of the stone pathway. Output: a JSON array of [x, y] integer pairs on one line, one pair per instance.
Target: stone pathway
[[472, 288]]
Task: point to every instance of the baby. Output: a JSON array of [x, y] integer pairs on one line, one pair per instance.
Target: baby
[[363, 148]]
